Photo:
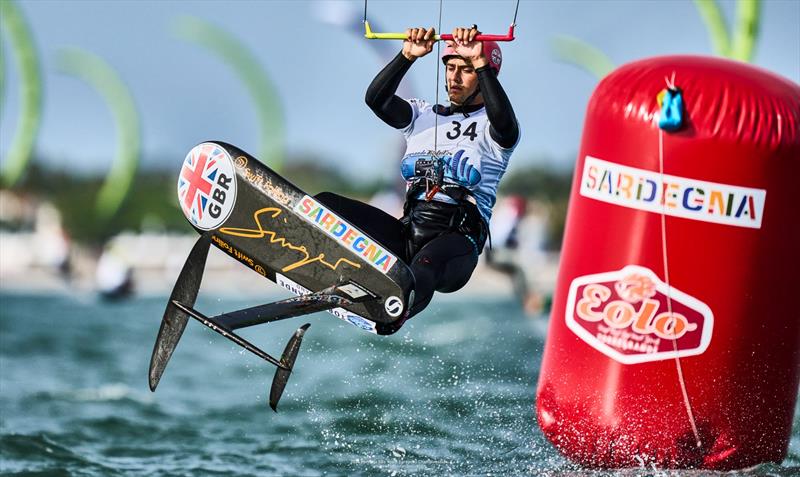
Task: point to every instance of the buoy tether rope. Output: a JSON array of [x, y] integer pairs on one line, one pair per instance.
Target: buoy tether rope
[[671, 119]]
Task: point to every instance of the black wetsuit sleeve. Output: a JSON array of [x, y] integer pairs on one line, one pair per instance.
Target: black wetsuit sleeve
[[380, 98], [503, 123]]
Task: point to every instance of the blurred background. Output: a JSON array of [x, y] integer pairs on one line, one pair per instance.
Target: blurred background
[[99, 103]]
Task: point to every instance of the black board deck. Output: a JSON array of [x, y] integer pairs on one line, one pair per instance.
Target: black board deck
[[280, 232]]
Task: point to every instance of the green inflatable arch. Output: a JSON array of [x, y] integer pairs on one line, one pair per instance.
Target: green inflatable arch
[[98, 74], [246, 66]]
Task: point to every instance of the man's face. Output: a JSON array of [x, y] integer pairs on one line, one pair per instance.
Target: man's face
[[462, 80]]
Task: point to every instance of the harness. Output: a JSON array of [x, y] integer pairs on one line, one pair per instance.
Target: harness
[[427, 219]]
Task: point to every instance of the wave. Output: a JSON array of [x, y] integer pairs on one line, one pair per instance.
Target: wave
[[112, 392], [41, 454]]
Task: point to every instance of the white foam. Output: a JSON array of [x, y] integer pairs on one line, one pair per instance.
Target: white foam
[[110, 392]]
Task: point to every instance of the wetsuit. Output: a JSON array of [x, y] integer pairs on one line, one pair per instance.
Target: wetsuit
[[439, 238]]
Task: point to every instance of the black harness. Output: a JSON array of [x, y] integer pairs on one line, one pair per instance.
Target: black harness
[[427, 219]]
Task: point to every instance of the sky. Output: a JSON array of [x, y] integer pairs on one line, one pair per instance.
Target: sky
[[185, 94]]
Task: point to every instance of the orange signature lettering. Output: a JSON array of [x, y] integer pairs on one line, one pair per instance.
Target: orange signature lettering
[[261, 232]]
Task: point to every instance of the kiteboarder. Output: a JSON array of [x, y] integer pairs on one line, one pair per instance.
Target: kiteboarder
[[454, 160]]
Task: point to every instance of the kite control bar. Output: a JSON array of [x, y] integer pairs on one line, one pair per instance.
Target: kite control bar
[[369, 34]]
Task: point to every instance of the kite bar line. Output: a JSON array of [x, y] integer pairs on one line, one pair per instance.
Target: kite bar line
[[428, 196], [369, 34]]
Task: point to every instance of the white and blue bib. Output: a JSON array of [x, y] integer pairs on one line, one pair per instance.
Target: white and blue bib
[[458, 133]]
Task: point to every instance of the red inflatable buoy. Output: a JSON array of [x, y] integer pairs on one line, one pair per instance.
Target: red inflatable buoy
[[675, 332]]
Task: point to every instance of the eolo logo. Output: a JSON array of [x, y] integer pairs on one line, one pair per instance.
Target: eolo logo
[[625, 315]]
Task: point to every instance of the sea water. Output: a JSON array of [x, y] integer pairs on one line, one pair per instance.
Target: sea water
[[451, 394]]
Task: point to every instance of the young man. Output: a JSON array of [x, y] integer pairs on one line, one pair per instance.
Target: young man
[[454, 161]]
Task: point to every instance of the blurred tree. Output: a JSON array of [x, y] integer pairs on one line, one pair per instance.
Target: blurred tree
[[152, 197], [315, 175], [21, 148], [549, 186]]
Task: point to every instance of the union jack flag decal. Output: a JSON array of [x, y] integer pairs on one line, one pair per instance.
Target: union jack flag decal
[[198, 178]]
